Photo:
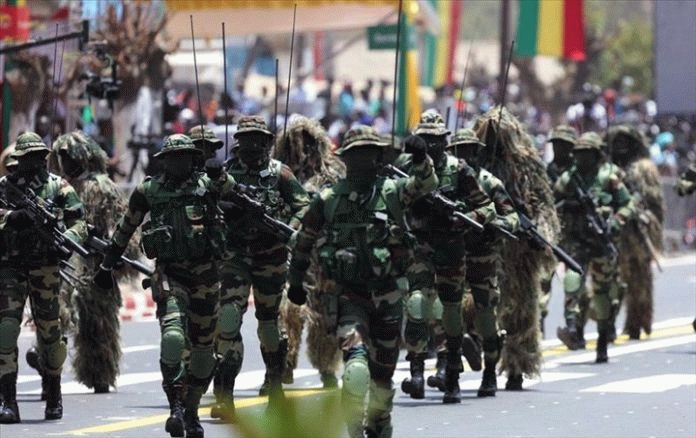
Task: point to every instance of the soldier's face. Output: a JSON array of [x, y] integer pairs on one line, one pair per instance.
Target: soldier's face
[[362, 161], [70, 167], [586, 159], [31, 163], [562, 151], [468, 152], [436, 145], [178, 165], [253, 147]]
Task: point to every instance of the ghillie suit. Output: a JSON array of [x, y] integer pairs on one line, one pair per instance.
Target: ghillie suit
[[642, 236], [306, 149], [95, 311], [514, 160]]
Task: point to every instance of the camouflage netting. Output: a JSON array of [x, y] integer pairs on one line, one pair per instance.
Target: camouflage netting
[[643, 180], [307, 150], [518, 165]]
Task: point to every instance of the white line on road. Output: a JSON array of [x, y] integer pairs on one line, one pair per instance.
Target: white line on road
[[647, 384]]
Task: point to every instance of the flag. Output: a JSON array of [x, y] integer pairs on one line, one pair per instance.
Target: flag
[[551, 27], [438, 60], [14, 20], [408, 106]]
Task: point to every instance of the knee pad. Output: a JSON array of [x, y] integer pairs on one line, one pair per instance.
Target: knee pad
[[415, 307], [229, 320], [9, 333], [202, 364], [268, 333], [54, 355], [437, 309], [172, 346], [572, 283], [356, 377]]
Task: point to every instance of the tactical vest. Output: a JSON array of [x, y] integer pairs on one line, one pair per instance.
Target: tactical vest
[[26, 246], [364, 244], [183, 224], [263, 186]]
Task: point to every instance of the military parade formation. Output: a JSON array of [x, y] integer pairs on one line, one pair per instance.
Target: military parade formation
[[380, 245]]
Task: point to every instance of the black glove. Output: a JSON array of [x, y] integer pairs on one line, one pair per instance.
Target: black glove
[[104, 279], [297, 295], [19, 219], [419, 150], [231, 211], [213, 168]]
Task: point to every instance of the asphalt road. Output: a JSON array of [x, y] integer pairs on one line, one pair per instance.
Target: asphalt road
[[647, 389]]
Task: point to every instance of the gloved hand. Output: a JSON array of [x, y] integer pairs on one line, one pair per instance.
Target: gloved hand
[[104, 279], [231, 211], [213, 168], [614, 225], [419, 150], [19, 220], [297, 295]]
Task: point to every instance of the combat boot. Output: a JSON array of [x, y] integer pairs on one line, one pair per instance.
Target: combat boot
[[514, 382], [9, 413], [438, 380], [602, 341], [489, 383], [54, 398], [191, 402], [491, 353], [175, 396], [471, 350], [329, 380], [275, 361], [452, 370], [34, 361], [380, 404], [224, 399], [569, 335], [415, 385]]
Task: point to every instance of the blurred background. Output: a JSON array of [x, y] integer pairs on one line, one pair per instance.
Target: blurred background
[[133, 80]]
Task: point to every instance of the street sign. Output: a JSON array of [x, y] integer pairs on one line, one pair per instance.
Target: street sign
[[383, 37]]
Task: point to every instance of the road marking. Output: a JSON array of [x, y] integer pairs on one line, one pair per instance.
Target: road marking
[[138, 348], [647, 384]]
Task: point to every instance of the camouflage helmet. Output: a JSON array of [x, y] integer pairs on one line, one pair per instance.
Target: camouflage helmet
[[248, 124], [564, 133], [201, 133], [29, 142], [11, 163], [465, 136], [81, 148], [176, 143], [362, 135], [589, 140], [431, 123]]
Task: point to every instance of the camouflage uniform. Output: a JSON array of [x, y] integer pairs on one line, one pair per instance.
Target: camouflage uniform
[[307, 150], [642, 237], [363, 246], [442, 263], [614, 202], [205, 141], [512, 157], [185, 236], [82, 162], [256, 259], [562, 139], [483, 257], [30, 268]]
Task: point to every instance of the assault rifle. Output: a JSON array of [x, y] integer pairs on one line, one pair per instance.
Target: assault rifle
[[45, 222], [441, 203], [237, 204], [596, 223], [528, 229], [99, 246]]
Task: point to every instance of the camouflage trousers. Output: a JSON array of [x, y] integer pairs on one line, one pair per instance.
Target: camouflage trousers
[[265, 270], [482, 263], [187, 296], [604, 287], [369, 325], [41, 286]]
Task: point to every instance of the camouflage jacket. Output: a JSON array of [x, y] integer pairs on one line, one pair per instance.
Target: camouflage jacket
[[506, 215], [184, 224], [26, 247], [605, 186], [276, 187], [362, 234]]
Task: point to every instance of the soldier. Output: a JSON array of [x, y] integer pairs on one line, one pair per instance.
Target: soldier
[[185, 237], [82, 162], [511, 156], [642, 237], [591, 194], [364, 248], [30, 268], [205, 140], [307, 150], [562, 139], [483, 257], [259, 259], [442, 247]]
